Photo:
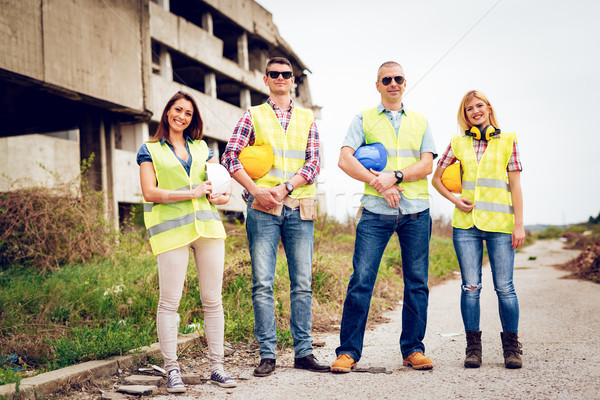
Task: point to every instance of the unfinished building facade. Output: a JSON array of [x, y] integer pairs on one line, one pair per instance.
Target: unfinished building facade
[[92, 77]]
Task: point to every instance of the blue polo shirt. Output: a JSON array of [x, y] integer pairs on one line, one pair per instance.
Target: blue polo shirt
[[143, 154], [355, 137]]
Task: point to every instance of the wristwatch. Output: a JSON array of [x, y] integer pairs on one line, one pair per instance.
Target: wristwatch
[[289, 186], [399, 176]]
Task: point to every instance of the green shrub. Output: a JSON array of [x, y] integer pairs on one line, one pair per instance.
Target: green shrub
[[551, 232]]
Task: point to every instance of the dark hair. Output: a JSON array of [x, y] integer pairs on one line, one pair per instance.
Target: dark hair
[[194, 130], [278, 60]]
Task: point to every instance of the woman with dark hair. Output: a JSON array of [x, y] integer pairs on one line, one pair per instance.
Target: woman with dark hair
[[490, 209], [180, 214]]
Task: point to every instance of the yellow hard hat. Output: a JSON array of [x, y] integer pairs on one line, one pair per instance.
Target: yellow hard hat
[[257, 160], [451, 178]]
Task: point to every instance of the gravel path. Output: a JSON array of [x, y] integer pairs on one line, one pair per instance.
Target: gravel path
[[559, 329]]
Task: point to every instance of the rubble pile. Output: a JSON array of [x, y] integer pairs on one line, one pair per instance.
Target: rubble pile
[[586, 265]]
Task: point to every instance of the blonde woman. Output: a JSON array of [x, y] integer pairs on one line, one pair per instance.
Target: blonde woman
[[180, 214], [489, 209]]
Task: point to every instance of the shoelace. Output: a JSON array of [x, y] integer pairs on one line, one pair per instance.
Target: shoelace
[[221, 376], [175, 379]]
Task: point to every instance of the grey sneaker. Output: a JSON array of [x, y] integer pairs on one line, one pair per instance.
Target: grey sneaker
[[174, 383], [221, 378]]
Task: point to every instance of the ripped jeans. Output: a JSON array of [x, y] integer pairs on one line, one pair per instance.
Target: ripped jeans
[[468, 244]]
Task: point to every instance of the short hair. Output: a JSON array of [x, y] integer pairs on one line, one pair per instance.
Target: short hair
[[463, 120], [278, 60], [388, 64]]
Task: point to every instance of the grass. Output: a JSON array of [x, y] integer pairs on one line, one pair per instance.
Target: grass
[[107, 306]]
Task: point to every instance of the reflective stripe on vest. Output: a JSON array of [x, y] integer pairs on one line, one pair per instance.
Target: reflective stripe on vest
[[402, 151], [289, 147], [486, 184], [173, 225], [180, 221]]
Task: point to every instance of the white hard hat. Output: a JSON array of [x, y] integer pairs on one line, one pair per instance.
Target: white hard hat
[[218, 176]]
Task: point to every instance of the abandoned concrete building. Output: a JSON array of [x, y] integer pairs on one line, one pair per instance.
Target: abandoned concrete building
[[92, 77]]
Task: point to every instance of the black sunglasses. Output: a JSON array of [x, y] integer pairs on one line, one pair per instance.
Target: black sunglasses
[[388, 79], [275, 74]]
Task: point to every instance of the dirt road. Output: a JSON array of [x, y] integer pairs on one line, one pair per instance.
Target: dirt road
[[559, 329]]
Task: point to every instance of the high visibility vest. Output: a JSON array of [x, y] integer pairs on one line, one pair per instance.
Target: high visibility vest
[[289, 147], [486, 184], [402, 151], [173, 225]]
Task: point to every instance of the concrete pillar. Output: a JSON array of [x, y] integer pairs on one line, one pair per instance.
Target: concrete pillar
[[166, 67], [108, 174], [97, 138], [164, 4], [242, 45], [210, 84], [133, 135], [214, 146], [245, 99], [207, 23], [90, 143]]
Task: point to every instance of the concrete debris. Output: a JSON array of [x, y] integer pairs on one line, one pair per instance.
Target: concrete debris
[[144, 380], [192, 379], [138, 390]]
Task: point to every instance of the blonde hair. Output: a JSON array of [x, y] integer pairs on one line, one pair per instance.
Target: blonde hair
[[463, 121]]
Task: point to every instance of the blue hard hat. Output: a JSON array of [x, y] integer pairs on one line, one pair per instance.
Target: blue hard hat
[[372, 156]]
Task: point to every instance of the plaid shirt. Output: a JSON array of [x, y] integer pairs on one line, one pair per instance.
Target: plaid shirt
[[243, 135], [514, 164]]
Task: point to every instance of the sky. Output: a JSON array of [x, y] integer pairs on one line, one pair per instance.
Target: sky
[[537, 62]]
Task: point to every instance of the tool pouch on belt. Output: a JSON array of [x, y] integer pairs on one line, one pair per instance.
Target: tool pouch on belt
[[308, 209]]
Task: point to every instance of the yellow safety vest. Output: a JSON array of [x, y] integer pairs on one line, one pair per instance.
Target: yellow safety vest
[[173, 225], [486, 184], [402, 151], [289, 147]]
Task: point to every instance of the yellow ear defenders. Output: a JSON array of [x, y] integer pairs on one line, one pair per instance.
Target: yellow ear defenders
[[487, 133]]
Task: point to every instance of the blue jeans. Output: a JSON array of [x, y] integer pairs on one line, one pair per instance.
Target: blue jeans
[[468, 244], [372, 236], [264, 231]]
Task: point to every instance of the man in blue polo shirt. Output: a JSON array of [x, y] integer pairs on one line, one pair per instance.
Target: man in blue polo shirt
[[395, 200]]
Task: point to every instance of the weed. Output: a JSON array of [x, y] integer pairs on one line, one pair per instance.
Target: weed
[[86, 344], [44, 228], [284, 338]]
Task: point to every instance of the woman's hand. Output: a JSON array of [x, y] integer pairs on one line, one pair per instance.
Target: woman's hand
[[464, 205], [201, 190], [219, 199], [518, 236]]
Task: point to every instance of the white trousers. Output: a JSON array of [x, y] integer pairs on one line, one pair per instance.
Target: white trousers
[[209, 255]]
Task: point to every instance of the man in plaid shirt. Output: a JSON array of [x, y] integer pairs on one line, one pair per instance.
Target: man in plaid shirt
[[280, 205]]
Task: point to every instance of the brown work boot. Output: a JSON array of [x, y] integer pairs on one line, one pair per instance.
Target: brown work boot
[[344, 363], [473, 358], [512, 350], [418, 360]]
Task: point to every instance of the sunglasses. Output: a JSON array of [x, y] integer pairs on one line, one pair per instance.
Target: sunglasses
[[388, 79], [275, 74]]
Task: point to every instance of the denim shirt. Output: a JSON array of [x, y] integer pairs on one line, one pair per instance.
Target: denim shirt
[[143, 154], [355, 137]]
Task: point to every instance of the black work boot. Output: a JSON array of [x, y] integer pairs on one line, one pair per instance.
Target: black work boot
[[310, 363], [512, 350], [473, 358], [265, 368]]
